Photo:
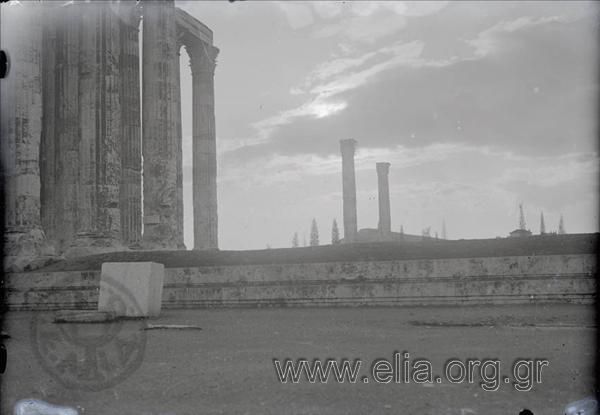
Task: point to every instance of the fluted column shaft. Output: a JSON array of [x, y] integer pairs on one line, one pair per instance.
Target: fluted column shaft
[[179, 148], [83, 129], [48, 153], [131, 144], [98, 142], [161, 114], [202, 57], [20, 123], [66, 139], [21, 117]]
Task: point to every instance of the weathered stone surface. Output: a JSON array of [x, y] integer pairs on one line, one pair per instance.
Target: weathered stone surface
[[131, 289], [83, 127], [63, 139], [179, 151], [131, 142], [203, 62], [452, 281], [48, 153], [383, 185], [71, 133], [98, 220], [20, 124], [349, 189], [161, 143]]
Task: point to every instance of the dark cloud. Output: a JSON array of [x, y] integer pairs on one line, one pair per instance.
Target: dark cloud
[[534, 93]]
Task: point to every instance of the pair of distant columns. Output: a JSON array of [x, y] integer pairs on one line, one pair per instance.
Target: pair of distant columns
[[349, 193]]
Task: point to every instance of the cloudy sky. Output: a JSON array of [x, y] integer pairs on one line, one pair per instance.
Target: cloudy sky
[[477, 106]]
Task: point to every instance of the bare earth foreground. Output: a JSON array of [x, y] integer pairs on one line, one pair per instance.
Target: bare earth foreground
[[227, 367]]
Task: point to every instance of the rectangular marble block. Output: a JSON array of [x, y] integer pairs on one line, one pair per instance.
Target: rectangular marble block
[[131, 289]]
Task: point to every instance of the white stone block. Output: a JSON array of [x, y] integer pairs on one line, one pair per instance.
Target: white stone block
[[131, 289]]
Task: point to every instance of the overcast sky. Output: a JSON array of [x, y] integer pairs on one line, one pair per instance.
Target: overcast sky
[[477, 106]]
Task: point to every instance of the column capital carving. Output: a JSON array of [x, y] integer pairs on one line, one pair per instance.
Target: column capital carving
[[382, 168], [203, 57]]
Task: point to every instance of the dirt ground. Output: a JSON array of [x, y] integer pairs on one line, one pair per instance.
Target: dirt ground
[[227, 367]]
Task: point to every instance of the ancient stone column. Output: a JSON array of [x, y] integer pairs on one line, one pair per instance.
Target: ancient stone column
[[20, 132], [179, 162], [83, 129], [160, 115], [385, 221], [202, 62], [108, 182], [131, 143], [48, 154], [349, 189], [89, 80], [97, 143], [61, 138]]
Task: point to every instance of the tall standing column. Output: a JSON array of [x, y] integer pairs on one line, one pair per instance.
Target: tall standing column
[[20, 124], [179, 162], [83, 127], [131, 143], [202, 57], [385, 221], [66, 140], [349, 189], [160, 115], [97, 142], [48, 138]]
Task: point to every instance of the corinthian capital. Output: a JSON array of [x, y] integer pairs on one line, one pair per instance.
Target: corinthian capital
[[203, 57]]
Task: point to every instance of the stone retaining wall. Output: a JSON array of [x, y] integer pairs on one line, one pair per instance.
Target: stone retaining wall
[[484, 280]]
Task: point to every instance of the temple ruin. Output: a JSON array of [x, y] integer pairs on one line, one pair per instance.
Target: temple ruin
[[92, 163], [383, 232], [91, 128]]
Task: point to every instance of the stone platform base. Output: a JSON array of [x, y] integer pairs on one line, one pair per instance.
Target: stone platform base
[[456, 281], [89, 244], [26, 250]]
